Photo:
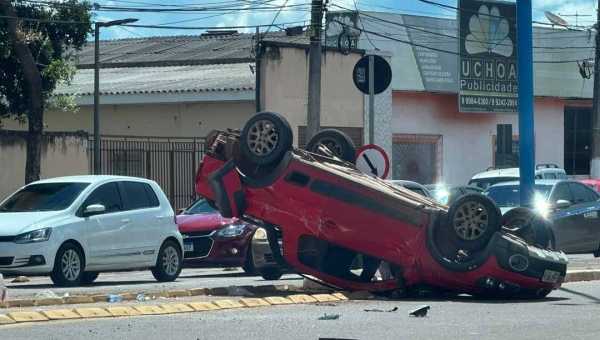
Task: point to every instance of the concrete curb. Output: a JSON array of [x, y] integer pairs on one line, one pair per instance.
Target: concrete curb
[[128, 311], [582, 275]]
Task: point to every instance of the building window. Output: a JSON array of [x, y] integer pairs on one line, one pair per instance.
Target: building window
[[417, 158], [578, 140]]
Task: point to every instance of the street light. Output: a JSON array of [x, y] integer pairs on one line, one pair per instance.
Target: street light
[[97, 86]]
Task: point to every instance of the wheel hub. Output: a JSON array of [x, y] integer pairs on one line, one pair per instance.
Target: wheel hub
[[262, 138], [170, 261], [470, 220], [71, 265]]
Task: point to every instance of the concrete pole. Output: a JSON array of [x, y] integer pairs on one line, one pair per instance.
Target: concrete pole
[[595, 161], [97, 151], [313, 115]]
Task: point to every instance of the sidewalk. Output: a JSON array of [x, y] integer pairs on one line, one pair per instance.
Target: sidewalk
[[583, 268]]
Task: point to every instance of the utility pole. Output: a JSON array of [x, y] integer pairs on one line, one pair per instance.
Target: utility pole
[[595, 161], [257, 70], [313, 115]]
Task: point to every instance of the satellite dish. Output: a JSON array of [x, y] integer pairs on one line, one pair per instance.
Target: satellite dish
[[555, 19]]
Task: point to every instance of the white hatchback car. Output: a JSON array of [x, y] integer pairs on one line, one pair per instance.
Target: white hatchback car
[[75, 227]]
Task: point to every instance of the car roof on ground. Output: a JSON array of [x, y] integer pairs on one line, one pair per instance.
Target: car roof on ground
[[88, 179]]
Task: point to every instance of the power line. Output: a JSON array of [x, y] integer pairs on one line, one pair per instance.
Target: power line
[[204, 17], [276, 15]]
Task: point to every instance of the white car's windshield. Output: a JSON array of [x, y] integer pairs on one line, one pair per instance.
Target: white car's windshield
[[509, 195], [43, 197]]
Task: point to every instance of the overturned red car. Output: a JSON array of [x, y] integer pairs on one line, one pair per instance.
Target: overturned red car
[[330, 214]]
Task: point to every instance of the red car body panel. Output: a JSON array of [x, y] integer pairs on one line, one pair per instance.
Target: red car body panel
[[334, 203], [594, 183]]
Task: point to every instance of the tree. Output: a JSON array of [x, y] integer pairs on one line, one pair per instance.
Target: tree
[[37, 41]]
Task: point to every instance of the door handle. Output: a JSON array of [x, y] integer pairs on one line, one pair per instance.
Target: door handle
[[125, 220], [159, 217]]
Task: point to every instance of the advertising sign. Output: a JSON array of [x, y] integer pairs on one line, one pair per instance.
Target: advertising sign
[[333, 29], [488, 57]]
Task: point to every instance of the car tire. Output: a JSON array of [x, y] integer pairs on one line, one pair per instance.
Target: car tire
[[270, 273], [339, 143], [168, 263], [69, 265], [266, 137], [476, 229], [249, 267], [89, 277]]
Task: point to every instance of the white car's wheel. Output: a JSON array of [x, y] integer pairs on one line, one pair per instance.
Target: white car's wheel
[[68, 266], [169, 262]]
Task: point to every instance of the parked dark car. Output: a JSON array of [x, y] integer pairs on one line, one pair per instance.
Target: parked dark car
[[414, 187], [448, 193], [211, 240], [329, 212], [570, 208]]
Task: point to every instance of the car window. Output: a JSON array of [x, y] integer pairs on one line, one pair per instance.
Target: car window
[[593, 194], [550, 175], [200, 207], [107, 195], [538, 177], [152, 195], [562, 175], [562, 192], [509, 195], [580, 194], [44, 197], [137, 195]]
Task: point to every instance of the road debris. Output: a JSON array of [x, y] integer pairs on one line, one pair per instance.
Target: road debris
[[20, 279], [142, 297], [46, 294], [379, 310], [420, 311], [114, 298], [3, 289], [329, 317], [238, 291]]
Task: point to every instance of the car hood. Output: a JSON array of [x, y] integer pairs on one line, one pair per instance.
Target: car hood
[[15, 223], [204, 222]]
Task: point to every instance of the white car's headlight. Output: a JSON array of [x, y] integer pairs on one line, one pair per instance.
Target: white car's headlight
[[260, 234], [231, 231], [39, 235]]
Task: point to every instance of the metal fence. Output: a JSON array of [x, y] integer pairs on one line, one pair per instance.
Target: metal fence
[[171, 162]]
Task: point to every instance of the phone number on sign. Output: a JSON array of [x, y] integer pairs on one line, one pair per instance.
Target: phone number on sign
[[488, 101]]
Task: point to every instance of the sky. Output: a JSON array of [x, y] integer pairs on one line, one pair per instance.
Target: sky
[[295, 13]]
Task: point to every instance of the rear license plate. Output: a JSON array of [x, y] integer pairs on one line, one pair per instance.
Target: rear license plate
[[188, 247], [550, 276]]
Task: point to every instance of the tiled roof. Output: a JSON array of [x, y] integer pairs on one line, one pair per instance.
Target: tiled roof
[[170, 79], [163, 51]]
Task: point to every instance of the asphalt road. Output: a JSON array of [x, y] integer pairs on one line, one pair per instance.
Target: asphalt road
[[143, 281], [569, 313]]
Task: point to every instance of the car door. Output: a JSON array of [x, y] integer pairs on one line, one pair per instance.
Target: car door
[[372, 223], [108, 234], [147, 219], [586, 208], [568, 224]]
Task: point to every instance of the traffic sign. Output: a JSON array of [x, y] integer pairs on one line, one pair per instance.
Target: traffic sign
[[382, 74], [373, 161]]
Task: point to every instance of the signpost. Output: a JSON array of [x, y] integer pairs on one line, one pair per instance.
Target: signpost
[[373, 161], [372, 75]]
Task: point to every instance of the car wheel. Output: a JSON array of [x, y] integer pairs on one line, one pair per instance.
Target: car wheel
[[89, 277], [249, 267], [270, 273], [336, 141], [169, 262], [266, 137], [472, 221], [68, 266]]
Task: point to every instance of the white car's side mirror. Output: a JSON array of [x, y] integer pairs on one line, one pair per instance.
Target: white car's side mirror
[[94, 209]]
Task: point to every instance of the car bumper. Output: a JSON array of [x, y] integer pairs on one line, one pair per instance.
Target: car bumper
[[215, 251], [23, 259], [263, 257]]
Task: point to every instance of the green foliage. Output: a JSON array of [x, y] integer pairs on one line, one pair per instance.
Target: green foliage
[[51, 44]]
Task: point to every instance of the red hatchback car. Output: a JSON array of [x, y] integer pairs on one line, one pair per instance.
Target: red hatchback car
[[211, 240], [330, 213]]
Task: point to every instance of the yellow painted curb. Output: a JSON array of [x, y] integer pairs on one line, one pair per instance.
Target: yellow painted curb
[[254, 302], [179, 293], [340, 296], [150, 310], [5, 320], [228, 304], [203, 306], [27, 317], [60, 314], [198, 292], [100, 298], [179, 308], [129, 297], [157, 295], [49, 302], [122, 311], [20, 303], [3, 305], [91, 313], [325, 298], [79, 300], [302, 298], [278, 300]]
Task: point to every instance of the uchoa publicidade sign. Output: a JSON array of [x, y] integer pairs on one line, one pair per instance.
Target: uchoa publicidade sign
[[488, 57]]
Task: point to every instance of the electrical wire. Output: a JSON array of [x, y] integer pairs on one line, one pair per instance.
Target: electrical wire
[[276, 15], [360, 19], [204, 17]]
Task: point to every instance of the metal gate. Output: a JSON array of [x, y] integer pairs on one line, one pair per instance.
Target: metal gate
[[170, 162]]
